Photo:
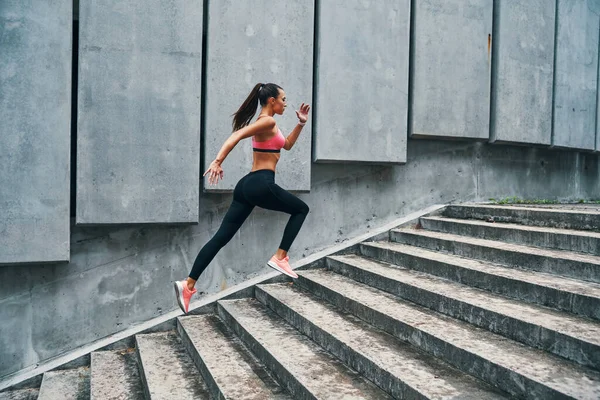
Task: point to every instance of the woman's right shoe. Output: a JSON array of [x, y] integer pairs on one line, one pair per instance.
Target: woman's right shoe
[[282, 266], [183, 295]]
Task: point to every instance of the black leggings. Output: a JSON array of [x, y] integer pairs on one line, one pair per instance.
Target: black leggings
[[258, 188]]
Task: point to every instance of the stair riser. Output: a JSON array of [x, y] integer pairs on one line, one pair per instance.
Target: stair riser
[[559, 241], [213, 387], [496, 375], [572, 269], [529, 292], [142, 372], [382, 378], [570, 348], [527, 217], [287, 379]]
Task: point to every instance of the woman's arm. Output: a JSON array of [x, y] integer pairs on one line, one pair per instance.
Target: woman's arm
[[302, 115], [214, 170]]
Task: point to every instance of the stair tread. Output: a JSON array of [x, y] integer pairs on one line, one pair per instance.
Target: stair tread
[[424, 373], [115, 375], [548, 208], [21, 394], [537, 365], [68, 384], [566, 284], [558, 254], [318, 371], [520, 227], [169, 371], [571, 325], [235, 375]]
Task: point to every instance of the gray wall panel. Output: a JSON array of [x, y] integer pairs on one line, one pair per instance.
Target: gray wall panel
[[451, 79], [35, 137], [248, 43], [139, 92], [524, 59], [576, 74], [362, 81]]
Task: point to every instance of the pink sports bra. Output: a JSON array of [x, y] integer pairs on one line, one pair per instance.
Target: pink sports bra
[[272, 145]]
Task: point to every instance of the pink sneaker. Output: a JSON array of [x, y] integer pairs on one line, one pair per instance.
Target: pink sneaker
[[183, 295], [282, 266]]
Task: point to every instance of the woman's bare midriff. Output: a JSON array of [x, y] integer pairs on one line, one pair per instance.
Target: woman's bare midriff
[[264, 161]]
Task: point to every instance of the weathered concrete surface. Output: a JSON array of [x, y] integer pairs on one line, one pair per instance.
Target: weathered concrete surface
[[23, 394], [571, 295], [35, 130], [573, 265], [115, 375], [509, 365], [576, 85], [228, 368], [523, 54], [167, 371], [451, 73], [551, 238], [252, 42], [361, 102], [72, 384], [123, 275], [306, 369], [399, 369], [138, 147]]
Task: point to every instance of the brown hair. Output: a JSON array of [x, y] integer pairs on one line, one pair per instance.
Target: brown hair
[[260, 93]]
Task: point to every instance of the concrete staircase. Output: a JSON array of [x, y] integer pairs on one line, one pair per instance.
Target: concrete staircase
[[475, 302]]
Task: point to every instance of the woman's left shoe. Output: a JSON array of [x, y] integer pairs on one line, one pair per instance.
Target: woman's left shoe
[[282, 266], [183, 295]]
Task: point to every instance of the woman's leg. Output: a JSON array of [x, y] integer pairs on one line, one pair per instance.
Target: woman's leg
[[235, 217]]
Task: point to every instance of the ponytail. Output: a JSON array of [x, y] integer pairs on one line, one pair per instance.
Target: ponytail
[[260, 93]]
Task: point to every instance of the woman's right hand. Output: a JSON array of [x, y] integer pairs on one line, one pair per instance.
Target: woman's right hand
[[215, 172]]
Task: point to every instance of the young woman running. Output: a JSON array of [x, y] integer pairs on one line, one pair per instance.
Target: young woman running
[[258, 188]]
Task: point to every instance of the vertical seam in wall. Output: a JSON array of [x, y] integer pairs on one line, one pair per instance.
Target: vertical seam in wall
[[315, 79], [203, 81], [552, 121], [494, 69], [74, 110], [596, 143], [411, 68]]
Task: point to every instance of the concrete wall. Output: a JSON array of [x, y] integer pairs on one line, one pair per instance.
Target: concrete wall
[[139, 93], [247, 43], [119, 276], [35, 57], [576, 74], [451, 72], [362, 81], [523, 53]]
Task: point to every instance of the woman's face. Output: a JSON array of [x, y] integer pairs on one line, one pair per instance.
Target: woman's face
[[280, 103]]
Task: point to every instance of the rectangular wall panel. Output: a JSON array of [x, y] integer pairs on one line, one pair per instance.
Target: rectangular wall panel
[[139, 111], [362, 81], [35, 124], [524, 60], [250, 43], [452, 68], [576, 74]]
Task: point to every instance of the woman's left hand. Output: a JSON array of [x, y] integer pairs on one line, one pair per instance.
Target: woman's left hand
[[302, 114]]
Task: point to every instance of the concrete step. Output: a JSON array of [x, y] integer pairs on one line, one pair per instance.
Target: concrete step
[[167, 371], [571, 295], [517, 369], [115, 376], [22, 394], [573, 265], [228, 368], [557, 218], [67, 384], [574, 338], [308, 371], [545, 237], [400, 369]]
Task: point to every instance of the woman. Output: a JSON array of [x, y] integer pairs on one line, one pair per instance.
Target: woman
[[258, 188]]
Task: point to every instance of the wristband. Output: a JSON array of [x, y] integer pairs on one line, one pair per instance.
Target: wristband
[[301, 123]]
